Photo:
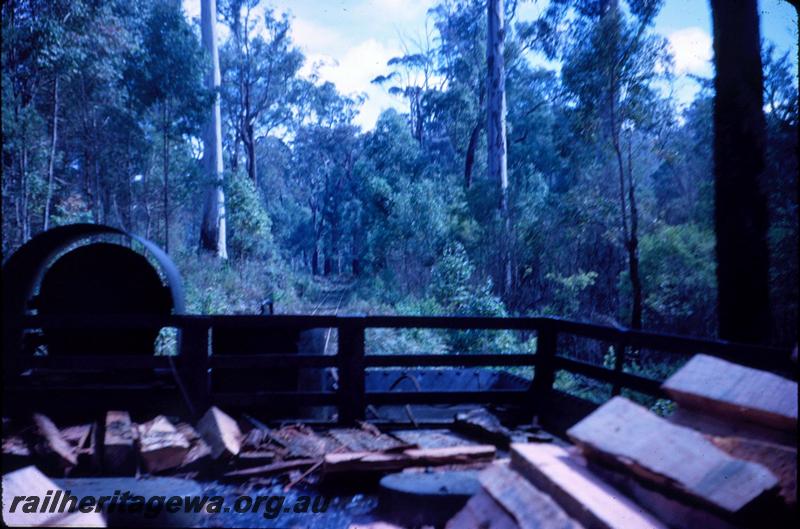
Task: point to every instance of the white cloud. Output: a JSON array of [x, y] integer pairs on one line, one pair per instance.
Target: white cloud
[[312, 37], [692, 50], [353, 72], [346, 58], [359, 65]]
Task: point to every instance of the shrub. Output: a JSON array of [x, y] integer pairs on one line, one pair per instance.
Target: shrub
[[249, 226]]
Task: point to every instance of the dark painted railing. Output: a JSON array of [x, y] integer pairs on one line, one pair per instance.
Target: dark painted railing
[[196, 361]]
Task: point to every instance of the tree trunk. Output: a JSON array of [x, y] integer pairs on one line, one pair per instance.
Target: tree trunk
[[496, 128], [315, 260], [469, 160], [740, 214], [633, 246], [250, 148], [212, 231], [51, 161], [23, 189], [165, 160], [629, 214]]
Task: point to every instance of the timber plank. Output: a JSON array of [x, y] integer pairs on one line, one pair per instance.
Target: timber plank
[[735, 391], [629, 436], [414, 457], [361, 440], [432, 438], [255, 458], [725, 427], [580, 493], [29, 481], [676, 514], [780, 460], [302, 442], [271, 469], [530, 507]]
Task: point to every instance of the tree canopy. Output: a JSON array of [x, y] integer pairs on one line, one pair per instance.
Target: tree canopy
[[610, 179]]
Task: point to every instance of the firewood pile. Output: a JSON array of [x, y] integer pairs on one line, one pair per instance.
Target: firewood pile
[[726, 457], [219, 447]]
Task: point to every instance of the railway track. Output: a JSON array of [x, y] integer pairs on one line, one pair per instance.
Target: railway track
[[329, 305]]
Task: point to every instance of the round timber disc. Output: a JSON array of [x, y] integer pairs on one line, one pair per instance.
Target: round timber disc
[[426, 498]]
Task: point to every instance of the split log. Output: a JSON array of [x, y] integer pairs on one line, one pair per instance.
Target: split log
[[676, 514], [483, 425], [221, 433], [119, 456], [48, 443], [725, 427], [413, 457], [734, 391], [161, 446], [521, 504], [531, 508], [628, 436], [34, 485], [780, 460], [580, 493], [482, 512], [199, 454]]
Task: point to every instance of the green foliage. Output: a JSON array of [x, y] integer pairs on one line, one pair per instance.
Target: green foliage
[[390, 207], [234, 287], [168, 69], [678, 274], [568, 290], [581, 386], [249, 226], [71, 210], [455, 290]]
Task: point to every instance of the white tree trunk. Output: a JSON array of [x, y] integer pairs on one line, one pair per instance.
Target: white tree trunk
[[496, 127], [212, 231]]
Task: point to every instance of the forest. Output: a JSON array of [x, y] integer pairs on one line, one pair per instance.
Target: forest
[[572, 185]]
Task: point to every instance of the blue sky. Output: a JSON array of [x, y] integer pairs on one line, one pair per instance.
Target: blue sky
[[352, 40]]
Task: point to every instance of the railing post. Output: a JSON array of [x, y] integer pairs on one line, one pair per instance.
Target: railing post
[[352, 402], [545, 371], [620, 349], [194, 367]]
